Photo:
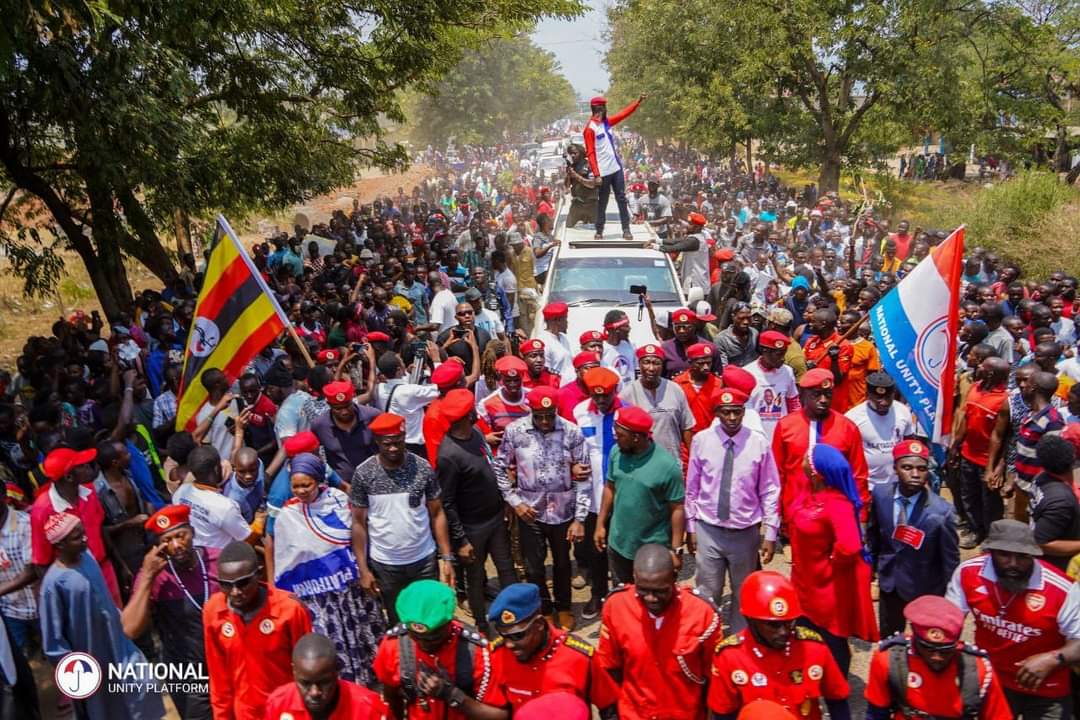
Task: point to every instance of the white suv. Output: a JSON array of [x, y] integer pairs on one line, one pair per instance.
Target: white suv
[[594, 276]]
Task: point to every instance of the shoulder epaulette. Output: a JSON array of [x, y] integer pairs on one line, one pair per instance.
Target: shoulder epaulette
[[397, 631], [807, 634], [892, 641], [575, 643], [474, 636], [497, 642], [729, 641], [703, 595], [974, 650]]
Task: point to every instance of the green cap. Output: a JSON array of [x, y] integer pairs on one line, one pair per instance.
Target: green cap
[[425, 605]]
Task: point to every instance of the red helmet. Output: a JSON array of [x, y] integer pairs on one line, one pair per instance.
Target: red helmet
[[768, 595]]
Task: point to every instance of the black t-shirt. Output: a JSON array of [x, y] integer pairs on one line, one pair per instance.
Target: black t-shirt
[[470, 493], [1055, 513]]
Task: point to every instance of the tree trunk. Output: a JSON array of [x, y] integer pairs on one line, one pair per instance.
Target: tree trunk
[[829, 176], [1061, 150], [749, 154], [182, 230], [105, 259], [113, 291], [145, 246]]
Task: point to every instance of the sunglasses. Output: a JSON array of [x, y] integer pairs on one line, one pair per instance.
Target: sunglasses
[[516, 636], [239, 583]]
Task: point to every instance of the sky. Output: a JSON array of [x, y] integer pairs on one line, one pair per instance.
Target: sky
[[578, 45]]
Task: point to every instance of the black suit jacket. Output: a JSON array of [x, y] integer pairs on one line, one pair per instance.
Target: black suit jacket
[[900, 567]]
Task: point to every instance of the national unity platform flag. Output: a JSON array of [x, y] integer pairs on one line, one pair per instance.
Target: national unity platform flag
[[236, 316], [915, 327]]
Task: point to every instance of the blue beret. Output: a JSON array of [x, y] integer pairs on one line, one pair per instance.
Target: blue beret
[[800, 282], [515, 603]]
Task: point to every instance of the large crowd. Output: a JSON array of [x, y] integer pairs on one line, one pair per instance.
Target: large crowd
[[409, 508]]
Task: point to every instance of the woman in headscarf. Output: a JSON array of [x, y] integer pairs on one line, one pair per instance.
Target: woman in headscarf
[[313, 559], [829, 567]]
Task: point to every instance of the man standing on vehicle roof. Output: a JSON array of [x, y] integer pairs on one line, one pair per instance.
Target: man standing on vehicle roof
[[605, 162]]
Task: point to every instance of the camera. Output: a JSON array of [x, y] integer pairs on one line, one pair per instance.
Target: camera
[[638, 290]]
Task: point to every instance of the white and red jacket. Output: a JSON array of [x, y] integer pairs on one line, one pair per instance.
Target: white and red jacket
[[600, 142], [1012, 628]]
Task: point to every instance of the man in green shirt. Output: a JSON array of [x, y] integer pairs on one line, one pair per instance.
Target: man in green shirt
[[643, 495]]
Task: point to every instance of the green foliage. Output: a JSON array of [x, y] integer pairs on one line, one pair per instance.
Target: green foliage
[[500, 90], [117, 114]]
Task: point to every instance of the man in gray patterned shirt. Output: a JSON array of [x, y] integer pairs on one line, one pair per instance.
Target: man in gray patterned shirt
[[552, 495]]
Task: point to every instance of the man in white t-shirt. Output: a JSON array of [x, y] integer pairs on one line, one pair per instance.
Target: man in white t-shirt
[[556, 345], [618, 352], [483, 318], [215, 519], [776, 393], [883, 423], [443, 304], [408, 399]]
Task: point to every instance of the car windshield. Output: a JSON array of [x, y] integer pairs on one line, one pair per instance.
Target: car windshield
[[608, 280]]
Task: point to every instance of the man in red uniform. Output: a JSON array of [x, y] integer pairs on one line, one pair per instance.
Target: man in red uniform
[[815, 422], [657, 641], [1027, 619], [772, 659], [446, 377], [531, 657], [536, 374], [249, 630], [573, 393], [825, 349], [432, 666], [317, 692], [699, 383], [941, 676]]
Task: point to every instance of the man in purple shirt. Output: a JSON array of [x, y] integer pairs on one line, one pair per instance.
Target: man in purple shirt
[[732, 489]]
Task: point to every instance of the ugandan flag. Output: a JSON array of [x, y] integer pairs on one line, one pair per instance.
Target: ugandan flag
[[235, 318]]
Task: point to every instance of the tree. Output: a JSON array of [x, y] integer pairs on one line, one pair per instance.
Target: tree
[[502, 89], [118, 117], [819, 83]]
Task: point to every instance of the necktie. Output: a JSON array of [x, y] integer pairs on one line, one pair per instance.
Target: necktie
[[723, 505], [902, 516]]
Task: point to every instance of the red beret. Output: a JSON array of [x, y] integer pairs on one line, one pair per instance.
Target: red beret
[[906, 448], [378, 336], [699, 350], [598, 100], [563, 705], [533, 345], [735, 378], [543, 397], [387, 424], [762, 709], [1072, 434], [543, 189], [301, 442], [725, 255], [601, 380], [651, 350], [934, 619], [339, 392], [817, 378], [63, 460], [729, 396], [457, 404], [682, 315], [448, 374], [585, 357], [328, 356], [555, 310], [168, 518], [590, 336], [696, 218], [633, 418], [773, 339], [511, 366]]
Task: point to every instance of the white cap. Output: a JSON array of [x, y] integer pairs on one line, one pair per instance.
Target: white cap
[[99, 345]]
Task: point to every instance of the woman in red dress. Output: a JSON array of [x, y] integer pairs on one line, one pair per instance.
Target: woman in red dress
[[829, 568]]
